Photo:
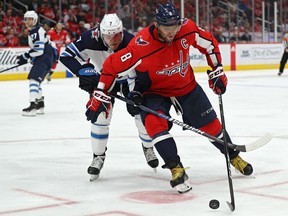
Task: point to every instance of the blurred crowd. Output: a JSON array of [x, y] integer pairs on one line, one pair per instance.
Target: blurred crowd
[[227, 20]]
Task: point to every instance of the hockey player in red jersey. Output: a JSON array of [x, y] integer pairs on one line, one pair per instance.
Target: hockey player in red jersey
[[61, 38], [160, 56]]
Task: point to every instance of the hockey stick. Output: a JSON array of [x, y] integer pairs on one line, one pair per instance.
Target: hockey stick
[[232, 203], [12, 67], [243, 148]]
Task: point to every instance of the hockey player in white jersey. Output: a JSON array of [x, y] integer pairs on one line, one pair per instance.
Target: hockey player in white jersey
[[42, 56], [84, 58]]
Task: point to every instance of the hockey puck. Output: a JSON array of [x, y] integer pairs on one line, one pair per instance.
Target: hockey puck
[[214, 204]]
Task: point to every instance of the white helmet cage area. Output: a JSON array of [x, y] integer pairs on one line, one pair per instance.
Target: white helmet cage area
[[111, 24], [33, 15]]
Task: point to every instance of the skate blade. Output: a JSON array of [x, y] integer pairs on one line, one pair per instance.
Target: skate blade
[[40, 111], [93, 177], [155, 170], [183, 188], [29, 114]]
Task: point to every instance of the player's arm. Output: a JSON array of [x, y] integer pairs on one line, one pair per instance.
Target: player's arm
[[75, 59], [118, 65], [72, 57], [206, 43]]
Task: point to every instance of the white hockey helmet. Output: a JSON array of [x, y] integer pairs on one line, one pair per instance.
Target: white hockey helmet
[[31, 14], [111, 24]]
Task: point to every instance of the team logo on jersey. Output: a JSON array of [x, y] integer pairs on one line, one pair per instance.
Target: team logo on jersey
[[181, 67], [184, 21], [140, 41], [95, 34]]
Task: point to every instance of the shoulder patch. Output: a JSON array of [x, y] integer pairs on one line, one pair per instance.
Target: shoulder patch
[[139, 41], [95, 34], [184, 21]]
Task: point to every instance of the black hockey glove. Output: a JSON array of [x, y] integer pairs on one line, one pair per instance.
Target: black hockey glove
[[132, 110], [136, 97], [22, 59], [88, 78]]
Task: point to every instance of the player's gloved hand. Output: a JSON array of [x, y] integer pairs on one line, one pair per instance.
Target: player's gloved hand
[[22, 59], [88, 77], [136, 97], [132, 110], [99, 102], [217, 80]]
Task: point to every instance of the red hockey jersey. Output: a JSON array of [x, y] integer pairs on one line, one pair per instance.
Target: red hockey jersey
[[59, 38], [162, 68]]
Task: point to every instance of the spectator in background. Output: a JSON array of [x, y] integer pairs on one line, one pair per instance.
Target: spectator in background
[[81, 28], [46, 10], [23, 37], [235, 36], [2, 25], [218, 34], [2, 12], [33, 5], [61, 38], [69, 16], [46, 25], [3, 40], [125, 16], [71, 34], [9, 18], [246, 37], [73, 26], [12, 39], [84, 6]]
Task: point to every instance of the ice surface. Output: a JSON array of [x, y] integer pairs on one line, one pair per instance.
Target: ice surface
[[43, 159]]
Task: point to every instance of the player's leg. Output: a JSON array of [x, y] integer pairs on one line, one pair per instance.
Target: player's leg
[[35, 78], [241, 165], [146, 141], [99, 140], [199, 113], [33, 94], [158, 129], [283, 63], [41, 65], [50, 72], [40, 102], [53, 66], [147, 145]]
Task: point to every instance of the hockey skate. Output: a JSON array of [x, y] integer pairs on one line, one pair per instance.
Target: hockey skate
[[242, 166], [179, 177], [48, 76], [151, 157], [280, 73], [31, 110], [40, 106], [96, 166]]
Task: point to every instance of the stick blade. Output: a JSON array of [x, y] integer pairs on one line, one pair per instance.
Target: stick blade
[[231, 206], [255, 144]]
